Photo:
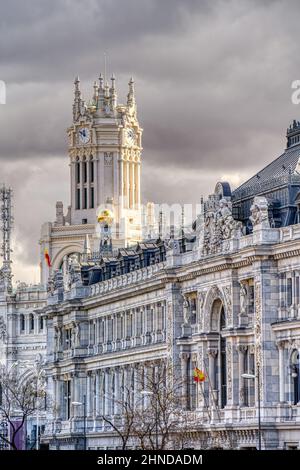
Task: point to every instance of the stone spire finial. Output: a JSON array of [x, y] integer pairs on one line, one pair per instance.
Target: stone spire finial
[[131, 96], [113, 94], [78, 102], [101, 81], [96, 92]]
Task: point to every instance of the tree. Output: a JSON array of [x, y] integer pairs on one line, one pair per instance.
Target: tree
[[153, 417], [18, 400]]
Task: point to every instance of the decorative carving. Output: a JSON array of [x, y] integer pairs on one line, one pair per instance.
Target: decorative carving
[[213, 352], [257, 333], [3, 330], [219, 224], [228, 299], [108, 158], [229, 369], [259, 213]]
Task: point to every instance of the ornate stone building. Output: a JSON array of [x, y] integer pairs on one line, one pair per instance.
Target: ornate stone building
[[227, 302], [22, 329], [105, 144]]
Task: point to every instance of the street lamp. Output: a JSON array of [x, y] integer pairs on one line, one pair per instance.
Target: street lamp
[[148, 392], [79, 403], [253, 377]]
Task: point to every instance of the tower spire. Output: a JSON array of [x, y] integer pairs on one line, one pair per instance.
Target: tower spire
[[78, 102], [6, 226], [131, 95], [113, 93]]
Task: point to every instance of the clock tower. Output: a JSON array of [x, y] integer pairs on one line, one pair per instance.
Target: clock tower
[[104, 147]]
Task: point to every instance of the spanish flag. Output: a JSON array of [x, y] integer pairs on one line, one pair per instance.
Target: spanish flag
[[47, 258], [199, 376]]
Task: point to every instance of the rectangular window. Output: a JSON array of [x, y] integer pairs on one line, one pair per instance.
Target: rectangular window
[[77, 173], [84, 198], [22, 323], [67, 399], [91, 172], [297, 290], [193, 307], [84, 168], [77, 198], [129, 325], [289, 291], [92, 204]]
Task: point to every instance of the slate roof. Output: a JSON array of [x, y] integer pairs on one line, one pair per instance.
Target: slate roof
[[280, 168]]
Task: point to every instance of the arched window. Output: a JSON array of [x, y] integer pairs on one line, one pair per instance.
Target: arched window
[[295, 359], [22, 323], [41, 323]]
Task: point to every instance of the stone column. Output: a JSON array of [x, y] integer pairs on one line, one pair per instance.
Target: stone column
[[107, 393], [293, 309], [121, 182], [81, 184], [132, 186], [55, 398], [241, 351], [88, 183], [88, 394], [127, 185], [281, 347], [97, 406], [184, 356], [96, 187], [137, 185], [212, 355]]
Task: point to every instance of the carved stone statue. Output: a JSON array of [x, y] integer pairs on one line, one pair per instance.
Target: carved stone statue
[[57, 338], [77, 334], [259, 213], [186, 311], [243, 298], [219, 224], [3, 330]]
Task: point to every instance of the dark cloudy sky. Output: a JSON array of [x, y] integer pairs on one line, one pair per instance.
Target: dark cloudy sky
[[213, 83]]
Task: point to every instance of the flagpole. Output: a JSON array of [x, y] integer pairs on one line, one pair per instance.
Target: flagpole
[[215, 402]]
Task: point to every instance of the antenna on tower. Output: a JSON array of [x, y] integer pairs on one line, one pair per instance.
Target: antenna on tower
[[6, 226], [182, 221], [160, 224]]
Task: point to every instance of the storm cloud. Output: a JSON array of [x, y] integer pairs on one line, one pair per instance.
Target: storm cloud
[[213, 84]]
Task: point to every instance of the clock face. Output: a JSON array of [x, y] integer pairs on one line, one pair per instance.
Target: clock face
[[84, 135], [131, 137]]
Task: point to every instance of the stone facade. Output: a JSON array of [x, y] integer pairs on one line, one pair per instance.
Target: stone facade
[[229, 306]]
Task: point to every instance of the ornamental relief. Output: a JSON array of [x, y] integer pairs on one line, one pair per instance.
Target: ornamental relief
[[227, 291], [213, 294], [229, 369], [257, 334]]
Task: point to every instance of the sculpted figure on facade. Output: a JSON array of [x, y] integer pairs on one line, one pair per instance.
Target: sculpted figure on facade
[[259, 213], [3, 330], [219, 224], [243, 298], [74, 269], [186, 311]]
